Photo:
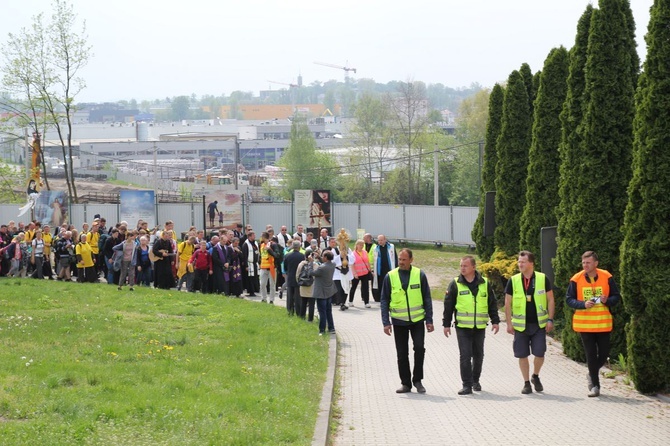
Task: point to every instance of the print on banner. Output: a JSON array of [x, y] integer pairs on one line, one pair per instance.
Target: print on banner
[[136, 205], [223, 209], [312, 209], [51, 208]]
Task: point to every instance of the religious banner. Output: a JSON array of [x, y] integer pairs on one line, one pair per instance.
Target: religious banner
[[51, 208], [136, 205], [312, 209]]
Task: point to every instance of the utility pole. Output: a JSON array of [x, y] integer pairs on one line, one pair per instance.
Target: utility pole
[[155, 171], [436, 186]]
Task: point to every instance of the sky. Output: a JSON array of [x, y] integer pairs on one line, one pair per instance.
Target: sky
[[150, 49]]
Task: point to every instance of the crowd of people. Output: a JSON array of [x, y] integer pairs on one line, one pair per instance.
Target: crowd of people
[[230, 262], [322, 271]]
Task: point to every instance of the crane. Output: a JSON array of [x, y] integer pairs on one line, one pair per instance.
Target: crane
[[292, 91], [346, 69]]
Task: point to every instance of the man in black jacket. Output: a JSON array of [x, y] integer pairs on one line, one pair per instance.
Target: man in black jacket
[[291, 262], [471, 298]]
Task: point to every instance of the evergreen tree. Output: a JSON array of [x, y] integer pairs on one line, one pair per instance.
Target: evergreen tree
[[485, 244], [513, 144], [645, 252], [531, 90], [594, 218], [543, 160]]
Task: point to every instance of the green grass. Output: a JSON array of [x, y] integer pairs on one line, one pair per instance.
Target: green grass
[[87, 364], [441, 265]]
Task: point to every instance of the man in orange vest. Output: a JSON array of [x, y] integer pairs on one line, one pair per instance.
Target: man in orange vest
[[592, 292]]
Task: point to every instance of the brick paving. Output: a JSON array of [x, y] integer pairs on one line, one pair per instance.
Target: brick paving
[[373, 414]]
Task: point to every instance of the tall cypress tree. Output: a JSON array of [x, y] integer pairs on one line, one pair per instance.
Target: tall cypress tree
[[531, 89], [485, 244], [594, 217], [572, 116], [543, 159], [513, 144], [645, 252]]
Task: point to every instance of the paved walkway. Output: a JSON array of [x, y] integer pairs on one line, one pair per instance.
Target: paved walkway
[[373, 414]]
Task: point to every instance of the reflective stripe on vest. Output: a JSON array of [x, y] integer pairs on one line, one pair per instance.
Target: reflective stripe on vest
[[519, 302], [598, 318], [406, 306], [472, 311]]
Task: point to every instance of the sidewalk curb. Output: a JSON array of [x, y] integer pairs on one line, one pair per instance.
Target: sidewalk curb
[[321, 430]]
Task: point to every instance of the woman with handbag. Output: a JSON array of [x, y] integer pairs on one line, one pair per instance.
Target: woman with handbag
[[362, 274]]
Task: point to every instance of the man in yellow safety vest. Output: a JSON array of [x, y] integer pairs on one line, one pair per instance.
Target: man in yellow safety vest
[[406, 309], [529, 311]]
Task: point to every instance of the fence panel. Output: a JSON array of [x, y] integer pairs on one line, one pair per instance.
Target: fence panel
[[9, 212], [275, 214], [383, 219], [345, 216], [88, 211], [428, 223], [464, 220]]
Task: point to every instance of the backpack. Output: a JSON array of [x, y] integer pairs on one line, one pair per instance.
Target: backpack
[[304, 279], [101, 242]]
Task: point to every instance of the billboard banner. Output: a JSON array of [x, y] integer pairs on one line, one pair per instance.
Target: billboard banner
[[224, 209], [312, 209], [51, 208], [136, 205]]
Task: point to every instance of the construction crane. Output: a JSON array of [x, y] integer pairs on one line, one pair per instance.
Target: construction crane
[[292, 88], [346, 69]]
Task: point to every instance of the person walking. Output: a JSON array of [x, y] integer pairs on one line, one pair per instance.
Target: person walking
[[323, 292], [471, 299], [407, 309], [291, 262], [362, 274], [592, 292], [306, 284], [385, 259], [529, 312]]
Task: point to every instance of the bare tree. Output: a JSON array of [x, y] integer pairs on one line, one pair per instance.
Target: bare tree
[[42, 66], [409, 112]]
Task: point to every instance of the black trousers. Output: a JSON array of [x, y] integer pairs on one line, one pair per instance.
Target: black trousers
[[401, 334], [597, 349], [365, 288], [471, 348], [293, 300]]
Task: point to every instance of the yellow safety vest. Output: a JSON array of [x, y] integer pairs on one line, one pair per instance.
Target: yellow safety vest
[[406, 306], [519, 302], [472, 311]]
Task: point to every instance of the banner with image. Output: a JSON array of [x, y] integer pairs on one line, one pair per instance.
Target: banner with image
[[312, 209], [136, 205], [51, 208], [223, 209]]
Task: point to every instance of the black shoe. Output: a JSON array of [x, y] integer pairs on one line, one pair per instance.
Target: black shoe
[[343, 307], [404, 389], [281, 294], [536, 382], [526, 388], [465, 391], [419, 387], [477, 387]]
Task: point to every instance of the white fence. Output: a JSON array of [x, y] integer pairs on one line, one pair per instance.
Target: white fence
[[444, 224]]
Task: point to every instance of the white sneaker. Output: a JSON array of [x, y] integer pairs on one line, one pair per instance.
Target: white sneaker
[[367, 305], [351, 304]]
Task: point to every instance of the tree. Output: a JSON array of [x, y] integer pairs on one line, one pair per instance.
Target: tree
[[305, 167], [484, 245], [371, 135], [644, 252], [594, 219], [513, 144], [409, 112], [180, 108], [543, 159], [531, 89], [470, 131]]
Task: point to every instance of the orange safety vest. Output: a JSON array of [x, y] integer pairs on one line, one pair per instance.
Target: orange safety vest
[[598, 318]]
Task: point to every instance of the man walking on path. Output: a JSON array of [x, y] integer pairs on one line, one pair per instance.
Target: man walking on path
[[529, 311], [406, 305], [592, 292], [385, 259], [470, 296]]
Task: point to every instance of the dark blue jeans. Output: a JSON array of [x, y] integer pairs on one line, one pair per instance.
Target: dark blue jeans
[[325, 308]]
